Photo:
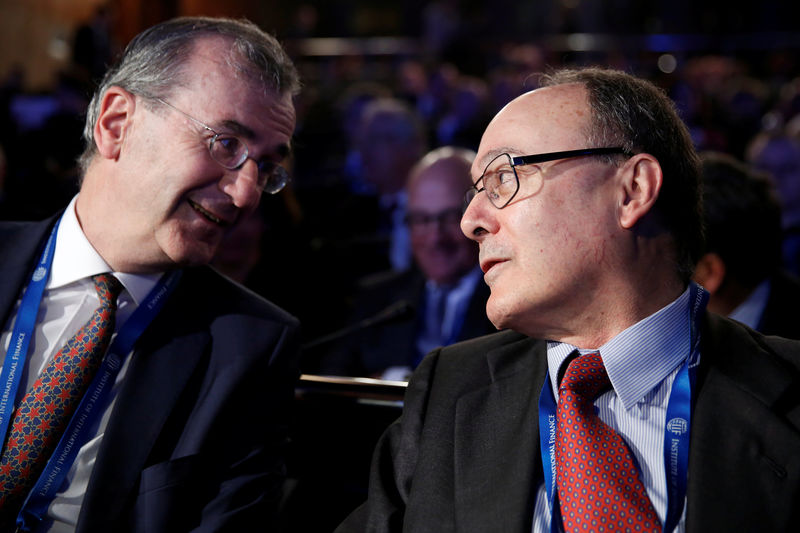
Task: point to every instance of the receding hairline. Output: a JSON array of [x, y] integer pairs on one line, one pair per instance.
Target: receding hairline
[[525, 99]]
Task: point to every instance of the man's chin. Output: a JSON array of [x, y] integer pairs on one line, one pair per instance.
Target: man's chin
[[193, 255], [499, 315]]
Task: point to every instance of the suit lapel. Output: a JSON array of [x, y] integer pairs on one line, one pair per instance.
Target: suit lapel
[[19, 245], [743, 446], [162, 365], [497, 462]]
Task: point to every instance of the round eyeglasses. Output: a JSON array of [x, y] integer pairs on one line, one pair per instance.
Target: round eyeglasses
[[500, 180], [231, 152]]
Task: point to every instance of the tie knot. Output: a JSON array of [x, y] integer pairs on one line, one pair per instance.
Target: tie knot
[[108, 288], [586, 376]]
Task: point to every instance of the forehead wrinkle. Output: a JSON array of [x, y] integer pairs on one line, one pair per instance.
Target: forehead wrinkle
[[237, 128]]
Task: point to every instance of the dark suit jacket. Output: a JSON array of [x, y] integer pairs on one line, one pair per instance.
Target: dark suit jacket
[[374, 349], [196, 438], [464, 456]]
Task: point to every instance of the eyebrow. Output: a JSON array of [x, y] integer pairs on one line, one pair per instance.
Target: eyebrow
[[237, 128], [491, 154]]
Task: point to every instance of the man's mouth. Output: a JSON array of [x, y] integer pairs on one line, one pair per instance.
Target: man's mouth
[[488, 264], [210, 216]]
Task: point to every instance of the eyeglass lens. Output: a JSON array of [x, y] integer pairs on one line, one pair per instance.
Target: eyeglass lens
[[499, 180], [231, 152]]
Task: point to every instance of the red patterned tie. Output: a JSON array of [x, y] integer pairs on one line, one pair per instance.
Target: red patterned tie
[[45, 411], [598, 483]]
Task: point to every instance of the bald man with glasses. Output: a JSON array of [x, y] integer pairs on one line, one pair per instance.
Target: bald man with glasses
[[613, 401]]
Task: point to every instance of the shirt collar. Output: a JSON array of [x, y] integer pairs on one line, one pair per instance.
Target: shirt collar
[[75, 259], [640, 357]]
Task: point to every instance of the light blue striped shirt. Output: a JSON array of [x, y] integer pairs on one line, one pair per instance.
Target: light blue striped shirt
[[642, 363]]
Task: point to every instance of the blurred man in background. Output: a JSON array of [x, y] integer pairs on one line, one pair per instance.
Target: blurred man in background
[[742, 265], [444, 287]]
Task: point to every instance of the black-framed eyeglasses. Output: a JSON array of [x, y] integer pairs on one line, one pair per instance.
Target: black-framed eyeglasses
[[500, 180], [231, 152]]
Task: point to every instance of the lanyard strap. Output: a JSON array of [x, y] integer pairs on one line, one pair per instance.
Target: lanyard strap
[[17, 352], [91, 406], [676, 431], [96, 396]]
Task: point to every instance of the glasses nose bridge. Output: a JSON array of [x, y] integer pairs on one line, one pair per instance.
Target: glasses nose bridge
[[241, 185], [254, 174], [243, 173]]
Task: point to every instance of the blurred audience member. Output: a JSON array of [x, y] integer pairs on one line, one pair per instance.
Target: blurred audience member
[[778, 154], [349, 111], [445, 287], [390, 140], [742, 264], [92, 47], [467, 115]]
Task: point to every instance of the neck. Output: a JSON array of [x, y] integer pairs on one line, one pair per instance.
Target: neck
[[111, 240], [615, 309], [634, 284]]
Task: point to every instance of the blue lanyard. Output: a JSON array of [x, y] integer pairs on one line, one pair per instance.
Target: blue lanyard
[[95, 398], [17, 351], [676, 430]]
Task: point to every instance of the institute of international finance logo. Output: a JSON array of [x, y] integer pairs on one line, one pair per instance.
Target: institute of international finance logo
[[39, 273], [678, 426]]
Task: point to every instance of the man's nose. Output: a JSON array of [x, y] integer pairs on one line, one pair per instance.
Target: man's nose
[[241, 184], [479, 218]]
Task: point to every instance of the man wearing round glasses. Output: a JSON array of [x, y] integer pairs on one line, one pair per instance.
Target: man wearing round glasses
[[182, 426], [613, 401]]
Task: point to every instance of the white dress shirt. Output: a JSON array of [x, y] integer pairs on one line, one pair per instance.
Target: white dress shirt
[[68, 302]]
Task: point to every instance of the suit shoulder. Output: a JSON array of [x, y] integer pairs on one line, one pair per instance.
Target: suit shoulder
[[23, 236], [226, 296], [468, 359], [736, 338], [767, 367], [480, 345]]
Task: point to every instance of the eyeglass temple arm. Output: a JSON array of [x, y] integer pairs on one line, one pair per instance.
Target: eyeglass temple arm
[[541, 158]]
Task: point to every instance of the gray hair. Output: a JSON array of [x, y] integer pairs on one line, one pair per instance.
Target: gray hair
[[152, 64], [635, 114]]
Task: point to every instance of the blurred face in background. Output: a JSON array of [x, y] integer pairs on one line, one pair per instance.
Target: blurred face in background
[[435, 202], [389, 144]]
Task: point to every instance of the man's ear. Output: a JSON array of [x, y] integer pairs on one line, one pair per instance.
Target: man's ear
[[641, 184], [113, 121], [710, 272]]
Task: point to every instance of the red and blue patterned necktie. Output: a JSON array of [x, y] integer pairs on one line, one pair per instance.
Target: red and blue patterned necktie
[[44, 412], [598, 483]]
